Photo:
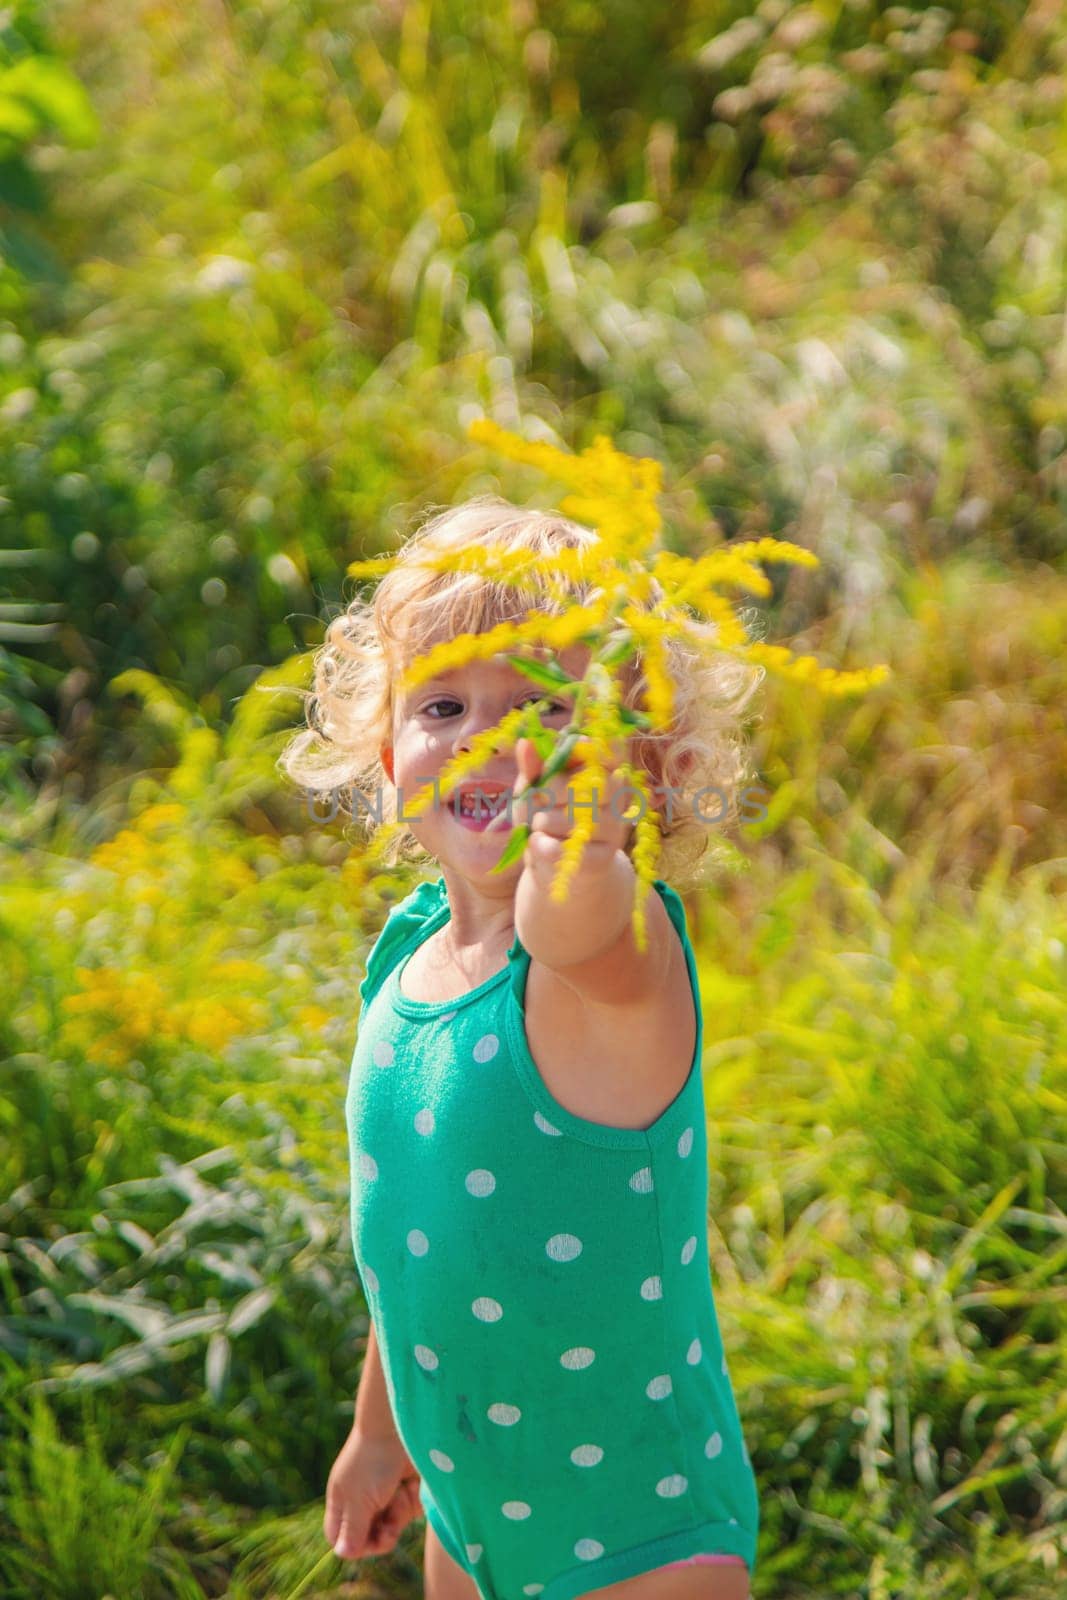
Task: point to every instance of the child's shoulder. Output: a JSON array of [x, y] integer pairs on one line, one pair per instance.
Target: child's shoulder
[[406, 922]]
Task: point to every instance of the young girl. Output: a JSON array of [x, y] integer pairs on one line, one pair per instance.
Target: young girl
[[545, 1377]]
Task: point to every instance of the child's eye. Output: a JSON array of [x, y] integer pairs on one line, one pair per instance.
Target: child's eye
[[553, 706], [431, 706]]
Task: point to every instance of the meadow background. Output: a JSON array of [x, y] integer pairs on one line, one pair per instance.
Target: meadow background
[[259, 265]]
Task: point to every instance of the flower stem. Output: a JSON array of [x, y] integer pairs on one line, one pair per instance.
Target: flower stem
[[316, 1569]]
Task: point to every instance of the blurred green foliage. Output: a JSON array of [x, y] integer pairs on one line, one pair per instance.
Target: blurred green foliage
[[812, 258]]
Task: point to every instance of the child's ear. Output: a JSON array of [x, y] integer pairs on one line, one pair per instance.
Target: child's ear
[[385, 755]]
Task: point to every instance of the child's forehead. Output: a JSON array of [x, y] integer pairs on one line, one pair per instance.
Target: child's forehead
[[573, 659], [495, 671]]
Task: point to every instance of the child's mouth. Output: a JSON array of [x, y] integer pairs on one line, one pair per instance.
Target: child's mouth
[[481, 812]]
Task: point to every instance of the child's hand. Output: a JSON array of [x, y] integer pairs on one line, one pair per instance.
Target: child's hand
[[553, 820], [371, 1495]]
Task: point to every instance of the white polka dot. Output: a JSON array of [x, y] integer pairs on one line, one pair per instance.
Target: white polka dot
[[517, 1510], [418, 1243], [368, 1167], [370, 1278], [641, 1182], [504, 1414], [424, 1122], [671, 1487], [473, 1551], [487, 1310], [426, 1358], [383, 1053], [685, 1143], [745, 1454], [445, 1463], [713, 1447], [546, 1127], [724, 1363], [588, 1549], [659, 1388], [532, 1588], [447, 1017], [563, 1247], [480, 1182], [733, 1522], [574, 1360], [693, 1354], [587, 1455], [652, 1289], [689, 1249], [486, 1047]]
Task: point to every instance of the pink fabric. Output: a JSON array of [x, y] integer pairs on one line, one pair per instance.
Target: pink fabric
[[702, 1561]]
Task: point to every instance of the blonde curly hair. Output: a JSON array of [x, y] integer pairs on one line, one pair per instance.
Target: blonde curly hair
[[369, 645]]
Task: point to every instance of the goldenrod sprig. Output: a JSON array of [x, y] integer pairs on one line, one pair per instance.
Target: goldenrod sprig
[[638, 597]]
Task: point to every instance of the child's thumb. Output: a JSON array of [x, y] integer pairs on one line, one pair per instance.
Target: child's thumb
[[530, 763], [350, 1539]]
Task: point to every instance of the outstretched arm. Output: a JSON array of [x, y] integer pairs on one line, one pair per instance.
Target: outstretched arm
[[588, 937]]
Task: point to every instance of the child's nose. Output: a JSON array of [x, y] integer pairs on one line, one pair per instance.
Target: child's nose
[[465, 739]]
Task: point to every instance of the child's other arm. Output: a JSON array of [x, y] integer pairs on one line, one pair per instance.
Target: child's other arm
[[373, 1415]]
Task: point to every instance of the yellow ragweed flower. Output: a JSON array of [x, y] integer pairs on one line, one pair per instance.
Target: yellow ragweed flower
[[587, 786], [644, 855], [561, 632], [689, 580], [123, 854], [373, 567], [313, 1018], [586, 789], [211, 1024], [502, 566], [806, 669], [640, 597], [538, 629], [650, 632], [457, 652], [114, 1015], [613, 492], [775, 550], [157, 818]]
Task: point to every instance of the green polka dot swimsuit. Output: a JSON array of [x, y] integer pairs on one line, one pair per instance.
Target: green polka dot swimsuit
[[540, 1290]]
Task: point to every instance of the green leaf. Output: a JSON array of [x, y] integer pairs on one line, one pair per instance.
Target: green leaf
[[514, 848], [549, 674], [30, 257], [633, 719], [621, 650], [17, 120], [533, 728], [20, 186], [562, 754], [45, 83]]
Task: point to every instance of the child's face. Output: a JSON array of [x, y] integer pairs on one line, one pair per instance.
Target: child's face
[[437, 721]]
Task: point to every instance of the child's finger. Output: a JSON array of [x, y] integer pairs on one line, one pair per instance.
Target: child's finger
[[530, 763], [331, 1521], [350, 1540]]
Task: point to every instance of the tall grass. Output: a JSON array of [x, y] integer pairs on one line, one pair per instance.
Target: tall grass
[[885, 1068], [748, 262], [79, 1527]]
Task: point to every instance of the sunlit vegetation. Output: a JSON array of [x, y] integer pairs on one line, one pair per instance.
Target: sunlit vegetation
[[261, 264]]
